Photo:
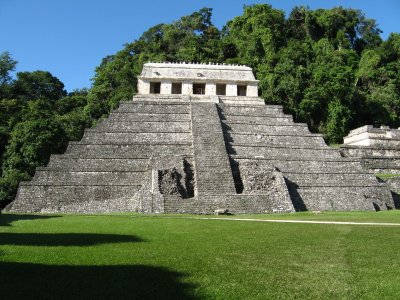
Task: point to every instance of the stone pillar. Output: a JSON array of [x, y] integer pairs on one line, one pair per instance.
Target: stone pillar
[[252, 89], [166, 87], [211, 88], [187, 88], [231, 89], [143, 86]]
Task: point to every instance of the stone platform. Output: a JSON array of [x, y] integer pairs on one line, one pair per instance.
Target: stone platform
[[378, 149], [196, 154]]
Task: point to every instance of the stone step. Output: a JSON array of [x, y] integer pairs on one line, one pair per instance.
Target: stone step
[[250, 110], [51, 198], [270, 120], [139, 137], [283, 152], [381, 162], [332, 179], [236, 204], [208, 144], [205, 165], [69, 163], [209, 149], [242, 101], [266, 119], [147, 117], [312, 166], [385, 170], [128, 126], [51, 176], [274, 140], [341, 198], [139, 150], [161, 99], [289, 129], [155, 108], [369, 152]]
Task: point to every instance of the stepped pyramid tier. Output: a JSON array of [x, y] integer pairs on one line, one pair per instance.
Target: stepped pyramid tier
[[377, 148], [197, 139]]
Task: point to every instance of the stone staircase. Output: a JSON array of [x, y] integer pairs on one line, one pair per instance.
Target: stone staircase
[[378, 159], [212, 167]]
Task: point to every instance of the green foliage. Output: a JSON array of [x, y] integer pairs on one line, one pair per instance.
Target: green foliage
[[257, 34], [33, 140], [9, 116], [7, 66], [71, 114], [378, 81], [38, 85], [338, 121], [38, 121]]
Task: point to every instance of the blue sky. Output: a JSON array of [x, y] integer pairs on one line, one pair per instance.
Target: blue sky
[[70, 37]]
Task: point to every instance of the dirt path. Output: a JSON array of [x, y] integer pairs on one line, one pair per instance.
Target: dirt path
[[299, 221]]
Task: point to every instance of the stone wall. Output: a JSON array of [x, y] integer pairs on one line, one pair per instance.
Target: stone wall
[[111, 168], [302, 158]]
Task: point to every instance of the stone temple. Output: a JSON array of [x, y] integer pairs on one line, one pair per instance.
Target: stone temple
[[195, 139], [377, 148]]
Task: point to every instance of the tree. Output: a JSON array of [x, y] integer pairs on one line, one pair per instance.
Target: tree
[[9, 116], [71, 114], [378, 81], [257, 34], [38, 85], [7, 65]]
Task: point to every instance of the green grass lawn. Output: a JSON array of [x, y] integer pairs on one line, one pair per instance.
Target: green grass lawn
[[174, 257]]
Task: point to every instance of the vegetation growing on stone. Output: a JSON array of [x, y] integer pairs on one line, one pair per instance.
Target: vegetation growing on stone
[[328, 67]]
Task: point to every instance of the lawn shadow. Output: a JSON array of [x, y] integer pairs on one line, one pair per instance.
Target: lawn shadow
[[7, 219], [64, 239], [35, 281]]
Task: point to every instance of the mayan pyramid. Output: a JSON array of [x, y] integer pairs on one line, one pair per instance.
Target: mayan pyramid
[[197, 138]]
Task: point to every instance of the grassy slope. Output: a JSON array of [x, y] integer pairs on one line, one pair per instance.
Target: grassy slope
[[164, 257]]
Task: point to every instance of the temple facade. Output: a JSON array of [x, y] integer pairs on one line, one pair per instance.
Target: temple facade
[[197, 79]]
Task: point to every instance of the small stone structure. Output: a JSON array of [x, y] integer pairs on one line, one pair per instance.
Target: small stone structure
[[197, 79], [198, 139], [370, 136], [377, 148]]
